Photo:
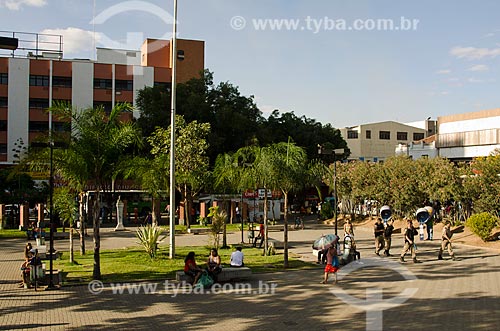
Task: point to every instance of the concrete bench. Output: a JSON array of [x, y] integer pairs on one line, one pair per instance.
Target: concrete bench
[[198, 230], [226, 275], [278, 227]]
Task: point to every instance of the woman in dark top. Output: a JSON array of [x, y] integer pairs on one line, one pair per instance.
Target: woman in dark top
[[190, 267]]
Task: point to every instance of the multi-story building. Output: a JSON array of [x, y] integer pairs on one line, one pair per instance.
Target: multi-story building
[[469, 135], [29, 84], [375, 142]]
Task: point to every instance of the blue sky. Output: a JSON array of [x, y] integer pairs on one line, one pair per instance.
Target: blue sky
[[448, 64]]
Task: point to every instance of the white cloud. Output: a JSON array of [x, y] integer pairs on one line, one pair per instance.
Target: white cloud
[[479, 67], [443, 72], [488, 35], [474, 53], [17, 4], [75, 40], [475, 80]]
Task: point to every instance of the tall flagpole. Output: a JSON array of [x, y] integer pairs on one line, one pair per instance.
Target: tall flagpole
[[172, 136]]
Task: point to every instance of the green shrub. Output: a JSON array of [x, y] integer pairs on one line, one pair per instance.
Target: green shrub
[[482, 224], [148, 238], [326, 211], [218, 223]]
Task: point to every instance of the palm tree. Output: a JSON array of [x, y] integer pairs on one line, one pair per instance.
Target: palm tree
[[227, 175], [64, 204], [257, 172], [153, 175], [98, 142], [288, 165]]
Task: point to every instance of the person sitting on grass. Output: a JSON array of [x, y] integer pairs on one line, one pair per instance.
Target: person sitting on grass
[[237, 258], [190, 267], [213, 264]]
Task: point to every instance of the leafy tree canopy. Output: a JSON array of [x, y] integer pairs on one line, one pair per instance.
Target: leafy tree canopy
[[234, 119]]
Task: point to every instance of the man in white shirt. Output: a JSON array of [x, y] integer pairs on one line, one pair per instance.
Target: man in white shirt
[[237, 258]]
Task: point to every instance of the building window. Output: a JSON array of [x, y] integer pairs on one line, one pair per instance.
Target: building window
[[37, 126], [105, 104], [58, 81], [124, 85], [62, 103], [351, 134], [418, 136], [368, 134], [105, 84], [4, 78], [36, 80], [402, 136], [4, 102], [39, 103], [3, 125], [61, 126], [3, 148], [165, 85], [384, 135]]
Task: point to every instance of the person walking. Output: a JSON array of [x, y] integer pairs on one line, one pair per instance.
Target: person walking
[[379, 235], [409, 235], [446, 241], [332, 264], [430, 227], [389, 228]]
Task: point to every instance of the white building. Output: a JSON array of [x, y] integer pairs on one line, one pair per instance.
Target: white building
[[375, 141], [469, 135]]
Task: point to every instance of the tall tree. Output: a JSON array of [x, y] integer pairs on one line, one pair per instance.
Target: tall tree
[[191, 161], [98, 142], [289, 170], [64, 205]]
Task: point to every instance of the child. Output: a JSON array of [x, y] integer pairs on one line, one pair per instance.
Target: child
[[332, 264]]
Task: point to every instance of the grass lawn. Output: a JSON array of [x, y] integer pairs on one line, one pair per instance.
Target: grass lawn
[[12, 233], [133, 264]]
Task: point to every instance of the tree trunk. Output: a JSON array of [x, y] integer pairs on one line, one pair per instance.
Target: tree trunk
[[155, 211], [96, 274], [71, 253], [266, 232], [285, 233], [82, 222], [224, 232]]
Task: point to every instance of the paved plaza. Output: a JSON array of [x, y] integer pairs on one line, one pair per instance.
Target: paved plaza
[[377, 294]]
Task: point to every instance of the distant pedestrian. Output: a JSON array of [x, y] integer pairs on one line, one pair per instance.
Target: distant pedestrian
[[332, 264], [348, 229], [430, 227], [409, 235], [389, 228], [378, 230], [446, 241]]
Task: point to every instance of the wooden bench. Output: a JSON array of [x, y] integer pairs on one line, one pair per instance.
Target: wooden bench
[[226, 275]]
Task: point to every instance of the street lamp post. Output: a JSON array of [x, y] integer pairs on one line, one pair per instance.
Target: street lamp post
[[51, 186], [172, 135]]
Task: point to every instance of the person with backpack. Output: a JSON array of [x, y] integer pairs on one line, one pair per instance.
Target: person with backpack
[[389, 228], [378, 230], [409, 235]]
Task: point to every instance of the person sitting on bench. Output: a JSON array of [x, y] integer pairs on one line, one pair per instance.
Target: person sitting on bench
[[237, 258]]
